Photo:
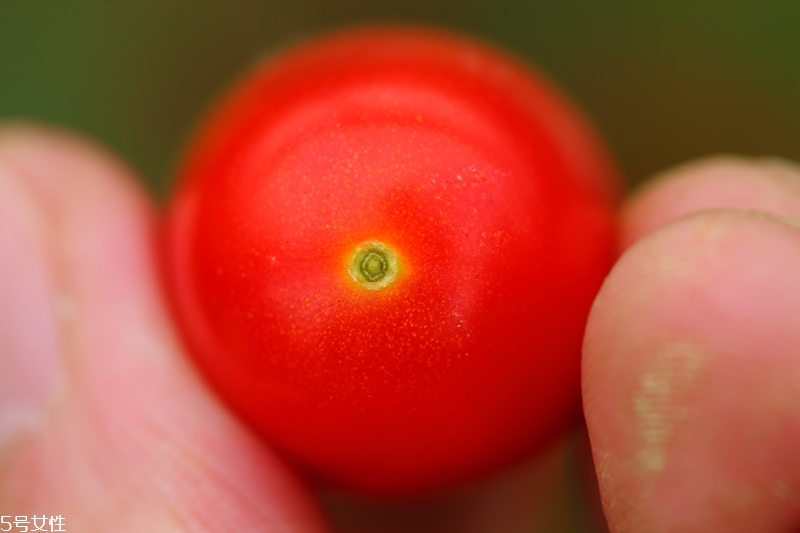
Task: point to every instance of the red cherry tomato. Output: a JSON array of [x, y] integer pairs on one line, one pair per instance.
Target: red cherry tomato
[[382, 253]]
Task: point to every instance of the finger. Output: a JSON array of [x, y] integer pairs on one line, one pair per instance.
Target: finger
[[692, 377], [102, 420], [768, 185]]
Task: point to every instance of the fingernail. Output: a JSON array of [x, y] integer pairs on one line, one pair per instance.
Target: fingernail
[[29, 347]]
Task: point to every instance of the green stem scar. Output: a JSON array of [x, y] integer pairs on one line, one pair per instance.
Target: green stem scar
[[374, 265]]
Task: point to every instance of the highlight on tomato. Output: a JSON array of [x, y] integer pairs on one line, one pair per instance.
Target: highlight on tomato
[[382, 251]]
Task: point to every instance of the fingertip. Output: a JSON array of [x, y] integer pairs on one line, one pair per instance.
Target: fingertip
[[691, 377], [136, 441], [56, 161], [724, 182]]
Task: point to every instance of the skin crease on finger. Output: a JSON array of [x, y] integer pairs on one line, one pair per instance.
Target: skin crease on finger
[[116, 433], [691, 373]]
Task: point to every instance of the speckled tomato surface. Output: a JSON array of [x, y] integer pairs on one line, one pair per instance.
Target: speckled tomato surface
[[382, 252]]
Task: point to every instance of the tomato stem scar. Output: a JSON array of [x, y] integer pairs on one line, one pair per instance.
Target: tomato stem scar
[[374, 265]]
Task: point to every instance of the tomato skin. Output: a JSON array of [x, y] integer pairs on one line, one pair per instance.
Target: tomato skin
[[498, 201]]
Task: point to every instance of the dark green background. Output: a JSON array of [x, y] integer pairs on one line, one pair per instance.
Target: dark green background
[[665, 81]]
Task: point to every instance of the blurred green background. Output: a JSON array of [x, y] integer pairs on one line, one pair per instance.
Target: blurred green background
[[664, 81]]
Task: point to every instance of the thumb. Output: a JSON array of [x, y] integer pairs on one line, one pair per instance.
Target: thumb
[[691, 371], [101, 420]]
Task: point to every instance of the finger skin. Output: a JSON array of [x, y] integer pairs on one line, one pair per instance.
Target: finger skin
[[127, 437], [767, 185], [692, 361]]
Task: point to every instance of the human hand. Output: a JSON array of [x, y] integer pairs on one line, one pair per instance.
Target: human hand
[[691, 363], [691, 382]]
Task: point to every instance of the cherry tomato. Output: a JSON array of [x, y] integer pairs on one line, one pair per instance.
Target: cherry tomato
[[382, 252]]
